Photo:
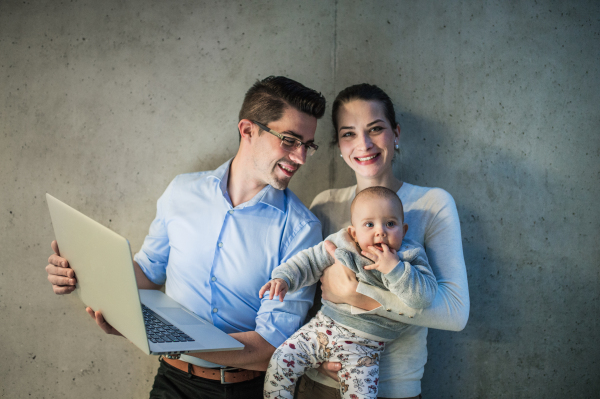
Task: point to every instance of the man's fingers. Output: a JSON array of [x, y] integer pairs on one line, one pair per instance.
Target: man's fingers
[[54, 246], [333, 366], [61, 281], [53, 270], [330, 248], [330, 369], [63, 289], [60, 276], [107, 328], [97, 316], [56, 260]]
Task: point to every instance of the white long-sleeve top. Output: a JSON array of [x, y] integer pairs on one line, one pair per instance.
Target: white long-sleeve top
[[433, 222]]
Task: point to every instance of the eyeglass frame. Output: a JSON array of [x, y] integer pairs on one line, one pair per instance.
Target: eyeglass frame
[[311, 148]]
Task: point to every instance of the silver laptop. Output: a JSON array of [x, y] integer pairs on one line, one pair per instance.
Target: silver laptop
[[103, 265]]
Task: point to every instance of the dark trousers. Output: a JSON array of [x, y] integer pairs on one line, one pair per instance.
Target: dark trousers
[[309, 389], [172, 383]]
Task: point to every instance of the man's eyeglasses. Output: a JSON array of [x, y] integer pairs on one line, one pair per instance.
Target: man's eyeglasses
[[289, 143]]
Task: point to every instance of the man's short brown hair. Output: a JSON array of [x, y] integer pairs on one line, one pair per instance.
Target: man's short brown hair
[[266, 100]]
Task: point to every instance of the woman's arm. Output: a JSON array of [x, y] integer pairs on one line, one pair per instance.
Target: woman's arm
[[443, 243]]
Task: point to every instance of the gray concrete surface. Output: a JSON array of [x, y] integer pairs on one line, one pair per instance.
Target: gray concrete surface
[[103, 103]]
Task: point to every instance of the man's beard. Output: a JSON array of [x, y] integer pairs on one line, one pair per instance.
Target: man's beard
[[281, 183], [278, 182]]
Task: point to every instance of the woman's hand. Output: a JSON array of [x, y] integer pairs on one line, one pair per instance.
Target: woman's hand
[[339, 284]]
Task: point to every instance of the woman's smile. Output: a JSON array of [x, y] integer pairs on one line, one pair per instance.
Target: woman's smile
[[366, 160]]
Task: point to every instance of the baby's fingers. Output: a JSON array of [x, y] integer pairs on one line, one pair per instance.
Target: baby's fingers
[[264, 289], [279, 290], [282, 293], [369, 255], [374, 266]]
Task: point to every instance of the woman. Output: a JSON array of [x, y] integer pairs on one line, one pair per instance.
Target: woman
[[367, 134]]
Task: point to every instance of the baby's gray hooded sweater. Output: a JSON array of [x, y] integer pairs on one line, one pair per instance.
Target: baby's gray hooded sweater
[[411, 280]]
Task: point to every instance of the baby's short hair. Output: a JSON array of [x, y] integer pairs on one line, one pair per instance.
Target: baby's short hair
[[380, 192]]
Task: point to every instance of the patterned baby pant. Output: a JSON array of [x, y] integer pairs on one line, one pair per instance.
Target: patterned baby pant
[[319, 341]]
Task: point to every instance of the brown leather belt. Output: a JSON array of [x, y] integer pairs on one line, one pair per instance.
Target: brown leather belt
[[226, 376]]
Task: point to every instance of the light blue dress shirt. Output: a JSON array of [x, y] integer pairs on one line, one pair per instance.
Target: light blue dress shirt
[[214, 258]]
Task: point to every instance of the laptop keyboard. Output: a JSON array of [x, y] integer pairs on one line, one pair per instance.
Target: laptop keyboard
[[159, 330]]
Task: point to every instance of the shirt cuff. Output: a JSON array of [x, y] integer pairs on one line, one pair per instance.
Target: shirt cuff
[[155, 273], [390, 303], [355, 310]]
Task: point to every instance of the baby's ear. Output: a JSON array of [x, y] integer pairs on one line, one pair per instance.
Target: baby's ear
[[352, 232]]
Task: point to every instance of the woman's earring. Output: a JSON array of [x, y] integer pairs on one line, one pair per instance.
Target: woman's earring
[[341, 156], [396, 144]]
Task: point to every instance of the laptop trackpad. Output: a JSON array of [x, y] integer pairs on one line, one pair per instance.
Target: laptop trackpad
[[180, 316]]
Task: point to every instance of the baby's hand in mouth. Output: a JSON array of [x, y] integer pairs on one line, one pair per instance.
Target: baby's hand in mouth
[[385, 258]]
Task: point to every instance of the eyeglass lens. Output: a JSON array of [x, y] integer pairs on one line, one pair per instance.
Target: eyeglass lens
[[291, 144]]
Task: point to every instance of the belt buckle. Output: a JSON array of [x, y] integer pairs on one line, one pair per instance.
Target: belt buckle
[[223, 370]]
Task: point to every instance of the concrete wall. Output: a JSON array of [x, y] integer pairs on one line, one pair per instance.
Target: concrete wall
[[103, 103]]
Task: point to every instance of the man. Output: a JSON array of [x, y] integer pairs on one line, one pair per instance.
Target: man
[[216, 237]]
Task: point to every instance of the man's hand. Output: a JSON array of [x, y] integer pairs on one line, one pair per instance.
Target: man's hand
[[60, 275], [330, 369], [107, 328], [275, 287], [386, 259]]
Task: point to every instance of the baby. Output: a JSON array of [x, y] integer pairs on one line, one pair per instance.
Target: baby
[[374, 249]]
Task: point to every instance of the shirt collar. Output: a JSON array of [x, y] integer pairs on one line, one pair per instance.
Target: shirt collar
[[268, 195]]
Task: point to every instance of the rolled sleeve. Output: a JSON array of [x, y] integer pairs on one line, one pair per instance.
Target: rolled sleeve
[[277, 321]]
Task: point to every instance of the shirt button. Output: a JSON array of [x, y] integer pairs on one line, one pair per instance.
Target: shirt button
[[214, 279], [388, 309], [215, 310], [231, 211], [220, 245]]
